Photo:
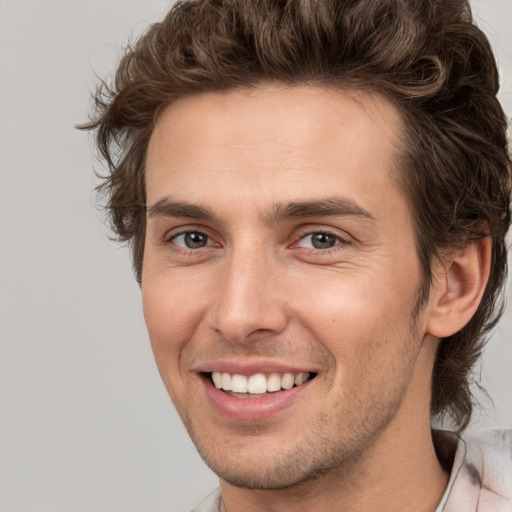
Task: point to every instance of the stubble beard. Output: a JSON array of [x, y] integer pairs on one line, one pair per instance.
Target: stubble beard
[[316, 454], [312, 457]]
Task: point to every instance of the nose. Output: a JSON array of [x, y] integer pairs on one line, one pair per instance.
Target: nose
[[249, 302]]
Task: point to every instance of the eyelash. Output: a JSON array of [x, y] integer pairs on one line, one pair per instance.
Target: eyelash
[[172, 239], [338, 241]]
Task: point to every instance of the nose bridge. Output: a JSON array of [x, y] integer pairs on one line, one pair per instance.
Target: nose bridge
[[248, 300]]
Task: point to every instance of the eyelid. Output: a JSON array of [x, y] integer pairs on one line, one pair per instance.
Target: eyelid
[[170, 235], [171, 232], [209, 242], [343, 238]]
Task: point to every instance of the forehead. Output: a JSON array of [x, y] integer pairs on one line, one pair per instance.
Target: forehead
[[276, 140]]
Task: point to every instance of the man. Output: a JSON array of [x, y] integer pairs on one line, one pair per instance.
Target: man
[[316, 194]]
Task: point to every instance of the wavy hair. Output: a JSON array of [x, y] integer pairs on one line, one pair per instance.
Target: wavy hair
[[426, 56]]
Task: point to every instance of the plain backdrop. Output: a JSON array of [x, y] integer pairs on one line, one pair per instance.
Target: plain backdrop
[[85, 423]]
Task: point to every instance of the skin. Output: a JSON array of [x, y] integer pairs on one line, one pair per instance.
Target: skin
[[358, 437]]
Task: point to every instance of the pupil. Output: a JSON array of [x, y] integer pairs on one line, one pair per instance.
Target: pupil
[[323, 241], [195, 240]]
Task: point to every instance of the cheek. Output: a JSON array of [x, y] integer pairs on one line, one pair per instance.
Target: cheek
[[357, 299], [363, 319], [172, 315]]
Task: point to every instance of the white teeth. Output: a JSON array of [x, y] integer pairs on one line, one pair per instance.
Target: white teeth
[[274, 382], [226, 381], [239, 383], [259, 383], [217, 379], [300, 378], [287, 381]]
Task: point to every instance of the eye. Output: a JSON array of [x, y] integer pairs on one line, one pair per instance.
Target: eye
[[319, 240], [192, 240]]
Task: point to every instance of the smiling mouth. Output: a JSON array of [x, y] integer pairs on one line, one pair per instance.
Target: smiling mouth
[[259, 384]]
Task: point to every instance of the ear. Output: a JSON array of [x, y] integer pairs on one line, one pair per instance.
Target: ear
[[460, 283]]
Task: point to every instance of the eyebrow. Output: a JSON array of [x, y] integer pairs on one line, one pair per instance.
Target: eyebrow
[[330, 206], [165, 207]]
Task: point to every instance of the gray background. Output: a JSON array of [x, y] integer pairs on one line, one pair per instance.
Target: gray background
[[85, 424]]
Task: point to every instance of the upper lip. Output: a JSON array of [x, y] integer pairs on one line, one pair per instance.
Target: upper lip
[[251, 367]]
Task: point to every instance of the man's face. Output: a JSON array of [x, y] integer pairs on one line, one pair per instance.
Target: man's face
[[278, 243]]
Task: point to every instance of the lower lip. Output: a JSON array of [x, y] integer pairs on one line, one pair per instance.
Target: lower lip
[[252, 409]]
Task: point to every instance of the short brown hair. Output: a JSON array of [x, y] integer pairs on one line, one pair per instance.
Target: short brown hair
[[426, 56]]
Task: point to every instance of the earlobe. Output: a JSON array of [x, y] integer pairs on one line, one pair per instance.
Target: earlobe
[[461, 281]]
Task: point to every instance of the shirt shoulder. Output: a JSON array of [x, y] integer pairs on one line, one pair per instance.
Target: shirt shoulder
[[481, 478], [210, 504]]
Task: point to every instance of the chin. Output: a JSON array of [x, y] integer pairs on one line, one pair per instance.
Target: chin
[[260, 462]]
